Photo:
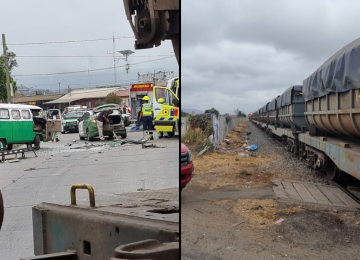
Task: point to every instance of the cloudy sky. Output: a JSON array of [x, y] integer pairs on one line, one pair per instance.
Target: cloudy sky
[[243, 53], [24, 21]]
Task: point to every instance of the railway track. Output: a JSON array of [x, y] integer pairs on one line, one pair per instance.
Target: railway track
[[343, 184]]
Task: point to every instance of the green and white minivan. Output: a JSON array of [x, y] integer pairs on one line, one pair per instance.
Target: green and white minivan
[[21, 124]]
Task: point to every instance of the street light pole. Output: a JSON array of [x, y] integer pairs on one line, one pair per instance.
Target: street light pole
[[59, 88]]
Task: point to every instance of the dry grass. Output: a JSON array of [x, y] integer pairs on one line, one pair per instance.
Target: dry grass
[[259, 213], [222, 168]]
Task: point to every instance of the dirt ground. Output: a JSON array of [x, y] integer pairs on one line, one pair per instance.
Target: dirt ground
[[229, 211]]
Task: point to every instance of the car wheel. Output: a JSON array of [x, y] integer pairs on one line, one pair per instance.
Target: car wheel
[[63, 132], [9, 147], [123, 135], [37, 142], [82, 138], [2, 144]]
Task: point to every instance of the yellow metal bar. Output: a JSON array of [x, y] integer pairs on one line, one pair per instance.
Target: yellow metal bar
[[82, 187]]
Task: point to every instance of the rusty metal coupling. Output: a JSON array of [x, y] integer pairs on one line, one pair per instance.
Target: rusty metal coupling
[[82, 187]]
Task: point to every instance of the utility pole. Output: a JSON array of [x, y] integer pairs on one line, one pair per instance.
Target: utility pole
[[59, 88], [6, 71], [114, 59]]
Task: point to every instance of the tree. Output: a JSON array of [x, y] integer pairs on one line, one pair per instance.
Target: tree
[[112, 98], [239, 113], [11, 64]]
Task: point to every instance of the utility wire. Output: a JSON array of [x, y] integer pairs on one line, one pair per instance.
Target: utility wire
[[83, 71], [118, 57], [92, 40]]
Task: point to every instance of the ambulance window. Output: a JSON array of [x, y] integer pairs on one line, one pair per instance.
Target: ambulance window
[[15, 114], [26, 114], [4, 114], [160, 93]]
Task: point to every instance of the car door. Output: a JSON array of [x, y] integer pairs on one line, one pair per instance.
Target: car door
[[27, 126], [168, 115], [81, 124], [17, 132]]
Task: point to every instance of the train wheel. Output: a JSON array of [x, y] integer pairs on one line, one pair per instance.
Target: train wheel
[[332, 172]]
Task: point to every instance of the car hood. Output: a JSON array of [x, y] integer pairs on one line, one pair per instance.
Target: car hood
[[70, 120], [184, 149]]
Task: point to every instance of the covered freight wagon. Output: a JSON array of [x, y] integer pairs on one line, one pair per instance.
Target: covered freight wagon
[[332, 94]]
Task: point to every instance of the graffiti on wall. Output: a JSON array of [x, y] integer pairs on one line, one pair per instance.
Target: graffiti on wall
[[215, 125]]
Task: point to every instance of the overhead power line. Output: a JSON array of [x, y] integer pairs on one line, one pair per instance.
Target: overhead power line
[[73, 41], [83, 71], [70, 56]]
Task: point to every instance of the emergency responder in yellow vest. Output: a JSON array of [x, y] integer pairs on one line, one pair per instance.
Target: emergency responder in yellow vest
[[146, 116], [162, 134], [40, 113]]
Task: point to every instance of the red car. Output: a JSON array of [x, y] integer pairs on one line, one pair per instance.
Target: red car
[[187, 166]]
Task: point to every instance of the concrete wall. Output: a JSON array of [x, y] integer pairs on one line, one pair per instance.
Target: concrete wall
[[221, 128], [184, 125]]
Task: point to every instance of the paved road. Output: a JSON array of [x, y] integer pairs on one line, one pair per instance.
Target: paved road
[[48, 178]]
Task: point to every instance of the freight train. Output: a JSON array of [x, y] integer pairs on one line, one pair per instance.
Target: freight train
[[320, 120]]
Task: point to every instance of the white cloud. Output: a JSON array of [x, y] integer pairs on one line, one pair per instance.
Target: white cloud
[[241, 54]]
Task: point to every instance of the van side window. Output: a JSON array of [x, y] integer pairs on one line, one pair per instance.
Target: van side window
[[15, 114], [4, 114], [25, 114]]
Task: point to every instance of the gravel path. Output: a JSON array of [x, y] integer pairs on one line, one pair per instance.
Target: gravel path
[[287, 165]]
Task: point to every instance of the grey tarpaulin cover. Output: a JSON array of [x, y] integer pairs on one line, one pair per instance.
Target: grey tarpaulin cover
[[263, 109], [272, 105], [340, 73], [286, 97]]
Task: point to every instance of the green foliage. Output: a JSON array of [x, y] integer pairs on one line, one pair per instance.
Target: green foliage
[[203, 122], [212, 111], [194, 136], [38, 93], [227, 118], [112, 98], [239, 113], [11, 64]]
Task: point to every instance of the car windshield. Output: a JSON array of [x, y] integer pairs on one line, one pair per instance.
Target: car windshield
[[74, 115]]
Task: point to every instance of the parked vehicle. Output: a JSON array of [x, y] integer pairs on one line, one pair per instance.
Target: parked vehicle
[[187, 166], [166, 114], [88, 124], [70, 121], [21, 124]]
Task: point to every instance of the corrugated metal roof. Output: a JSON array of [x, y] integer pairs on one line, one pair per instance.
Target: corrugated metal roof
[[36, 98], [83, 94]]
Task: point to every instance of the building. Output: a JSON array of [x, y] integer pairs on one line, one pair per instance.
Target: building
[[38, 100], [84, 97], [124, 94]]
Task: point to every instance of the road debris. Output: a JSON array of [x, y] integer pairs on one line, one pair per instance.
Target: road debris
[[202, 151], [31, 169], [152, 146], [279, 221], [237, 224], [13, 160]]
